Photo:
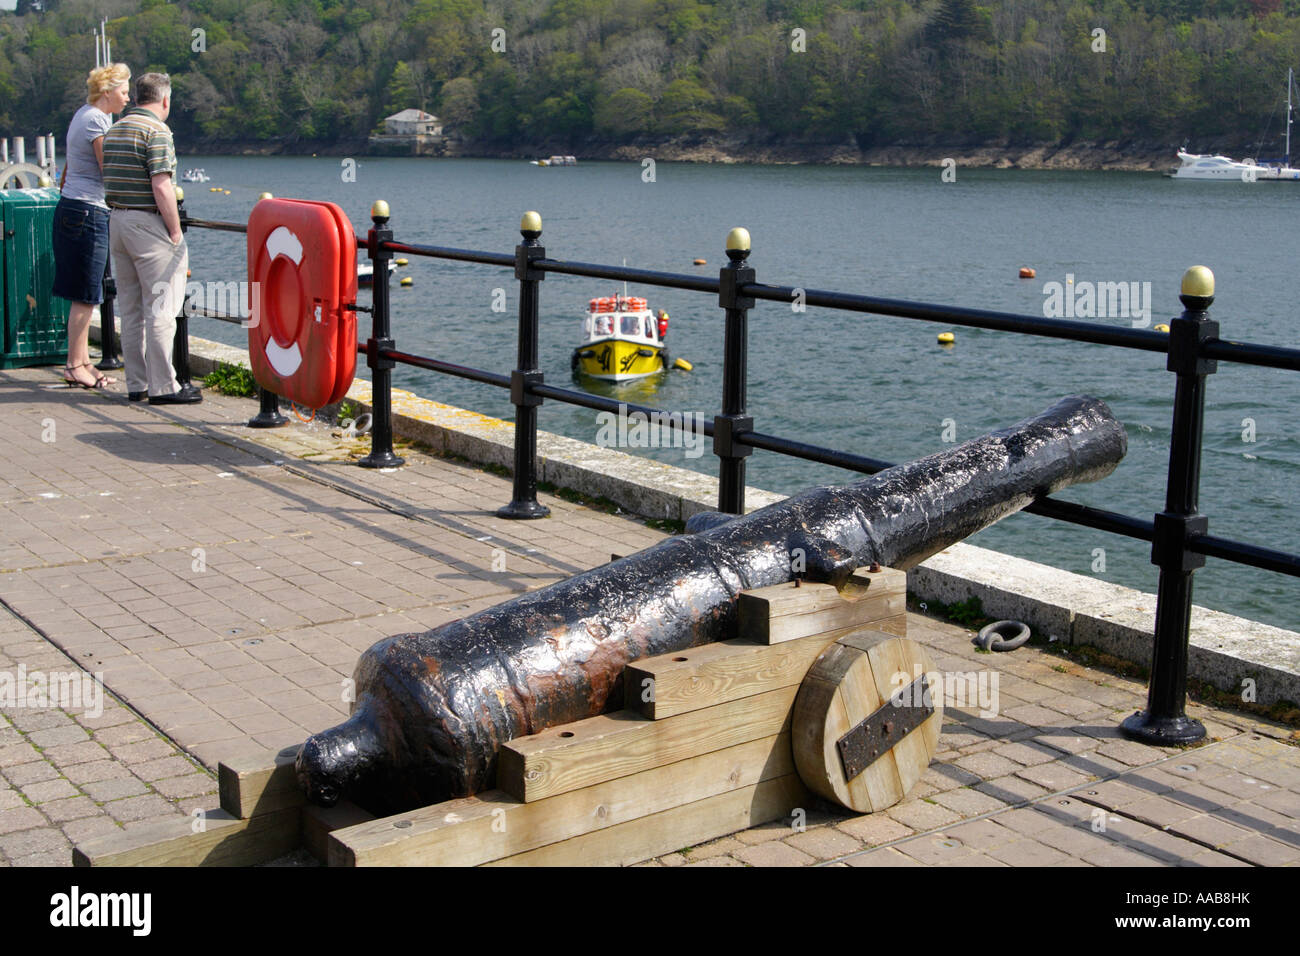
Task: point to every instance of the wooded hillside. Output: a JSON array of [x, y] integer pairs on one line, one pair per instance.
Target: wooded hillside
[[584, 71]]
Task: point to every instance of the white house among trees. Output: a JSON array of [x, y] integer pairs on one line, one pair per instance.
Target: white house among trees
[[412, 122]]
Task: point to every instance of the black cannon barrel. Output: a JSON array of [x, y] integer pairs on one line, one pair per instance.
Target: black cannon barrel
[[432, 709]]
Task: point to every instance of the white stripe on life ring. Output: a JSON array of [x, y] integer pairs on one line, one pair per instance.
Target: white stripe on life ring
[[284, 361], [282, 242]]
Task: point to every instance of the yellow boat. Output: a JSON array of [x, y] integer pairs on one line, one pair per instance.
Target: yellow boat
[[622, 340]]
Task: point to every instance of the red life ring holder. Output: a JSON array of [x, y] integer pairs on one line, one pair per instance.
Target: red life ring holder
[[302, 271]]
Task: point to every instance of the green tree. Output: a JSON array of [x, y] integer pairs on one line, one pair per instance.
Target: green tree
[[407, 88], [459, 99], [625, 112], [686, 107]]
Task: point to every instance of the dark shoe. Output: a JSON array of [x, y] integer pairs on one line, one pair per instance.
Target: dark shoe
[[137, 396], [189, 395]]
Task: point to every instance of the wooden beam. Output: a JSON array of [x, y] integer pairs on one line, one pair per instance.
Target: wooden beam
[[223, 841], [494, 825], [257, 781], [602, 748], [319, 822], [673, 829], [786, 612], [682, 681]]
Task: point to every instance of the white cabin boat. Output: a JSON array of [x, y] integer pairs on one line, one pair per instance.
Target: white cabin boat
[[1222, 169], [1216, 168], [622, 340]]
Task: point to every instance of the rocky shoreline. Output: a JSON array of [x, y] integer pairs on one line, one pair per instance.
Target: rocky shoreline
[[1081, 156], [1078, 156]]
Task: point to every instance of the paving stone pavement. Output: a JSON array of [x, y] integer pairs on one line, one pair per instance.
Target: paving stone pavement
[[222, 581]]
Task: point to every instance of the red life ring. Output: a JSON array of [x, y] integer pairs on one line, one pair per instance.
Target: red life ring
[[302, 271]]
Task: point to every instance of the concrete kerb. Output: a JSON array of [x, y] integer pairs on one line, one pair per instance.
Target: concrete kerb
[[1225, 650], [1079, 610]]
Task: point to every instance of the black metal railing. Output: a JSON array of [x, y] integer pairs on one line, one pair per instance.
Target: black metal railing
[[1178, 534]]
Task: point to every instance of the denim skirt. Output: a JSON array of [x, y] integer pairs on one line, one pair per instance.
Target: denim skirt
[[80, 251]]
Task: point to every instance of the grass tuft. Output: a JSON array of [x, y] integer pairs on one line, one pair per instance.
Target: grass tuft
[[231, 380]]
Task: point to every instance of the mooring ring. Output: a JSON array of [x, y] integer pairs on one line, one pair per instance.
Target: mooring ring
[[1002, 636]]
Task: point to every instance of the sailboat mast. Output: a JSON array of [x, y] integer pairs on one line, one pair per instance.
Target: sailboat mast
[[1289, 83]]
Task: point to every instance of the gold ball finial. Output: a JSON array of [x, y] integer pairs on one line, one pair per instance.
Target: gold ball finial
[[180, 193], [262, 196], [738, 240], [379, 209], [530, 224], [44, 181], [1198, 281]]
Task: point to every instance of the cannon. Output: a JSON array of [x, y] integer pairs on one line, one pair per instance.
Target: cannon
[[432, 709]]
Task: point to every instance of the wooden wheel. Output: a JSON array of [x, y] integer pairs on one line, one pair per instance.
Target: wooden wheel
[[852, 683]]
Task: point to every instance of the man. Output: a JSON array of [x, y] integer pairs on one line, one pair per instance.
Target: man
[[150, 257]]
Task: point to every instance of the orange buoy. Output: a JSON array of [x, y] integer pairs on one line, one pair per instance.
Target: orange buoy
[[701, 262], [1027, 273]]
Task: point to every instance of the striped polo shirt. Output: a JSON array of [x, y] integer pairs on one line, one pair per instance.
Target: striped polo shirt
[[136, 148]]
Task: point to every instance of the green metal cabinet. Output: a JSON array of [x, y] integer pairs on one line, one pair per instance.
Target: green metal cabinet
[[35, 321]]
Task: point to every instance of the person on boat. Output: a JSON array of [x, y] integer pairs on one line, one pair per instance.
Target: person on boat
[[663, 324], [80, 237]]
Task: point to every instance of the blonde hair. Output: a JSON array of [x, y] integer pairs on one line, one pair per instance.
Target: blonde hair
[[104, 79]]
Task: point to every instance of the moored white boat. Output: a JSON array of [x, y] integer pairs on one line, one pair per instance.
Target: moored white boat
[[1217, 168], [366, 272], [1279, 171], [1222, 169]]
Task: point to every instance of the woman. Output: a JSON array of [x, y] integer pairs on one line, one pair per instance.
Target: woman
[[81, 217]]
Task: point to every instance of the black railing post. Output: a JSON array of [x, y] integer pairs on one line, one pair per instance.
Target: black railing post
[[523, 502], [268, 413], [181, 338], [381, 369], [109, 357], [1165, 720], [181, 348], [733, 421]]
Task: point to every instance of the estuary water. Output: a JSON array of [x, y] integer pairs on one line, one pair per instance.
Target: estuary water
[[878, 386]]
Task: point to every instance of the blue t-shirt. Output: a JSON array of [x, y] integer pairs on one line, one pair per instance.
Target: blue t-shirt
[[84, 180]]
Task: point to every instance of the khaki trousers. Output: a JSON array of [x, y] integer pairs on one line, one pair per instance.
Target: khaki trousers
[[150, 274]]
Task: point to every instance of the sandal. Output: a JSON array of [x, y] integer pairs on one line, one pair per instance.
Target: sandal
[[102, 381]]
